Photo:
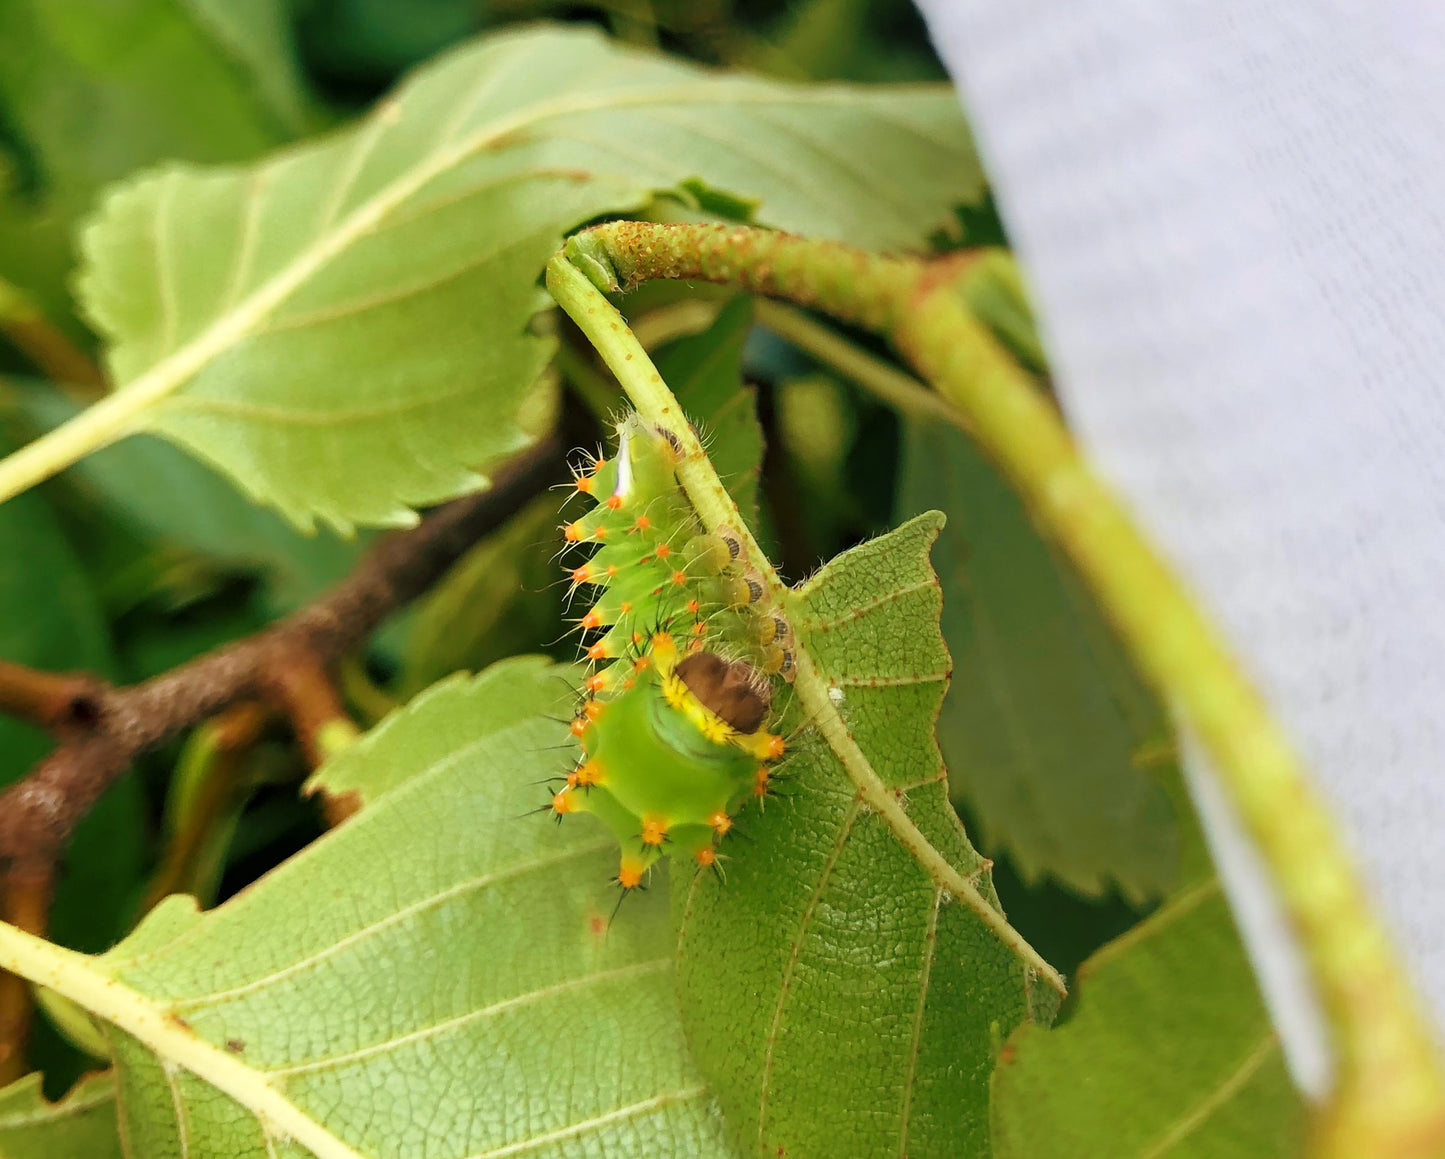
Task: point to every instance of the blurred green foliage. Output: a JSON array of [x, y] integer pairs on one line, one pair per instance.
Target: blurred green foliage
[[141, 557]]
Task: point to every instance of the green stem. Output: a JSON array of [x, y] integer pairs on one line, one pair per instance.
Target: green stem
[[881, 379], [47, 347], [609, 333], [1390, 1093], [853, 285], [361, 694]]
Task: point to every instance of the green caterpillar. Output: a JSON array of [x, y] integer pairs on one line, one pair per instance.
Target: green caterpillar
[[673, 724]]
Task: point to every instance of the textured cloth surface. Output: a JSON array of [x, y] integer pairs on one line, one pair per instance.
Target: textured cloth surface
[[1232, 215]]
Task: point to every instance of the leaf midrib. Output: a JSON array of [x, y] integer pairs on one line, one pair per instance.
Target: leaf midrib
[[397, 917], [186, 361], [1218, 1096], [122, 411], [177, 1047], [74, 976], [634, 369]]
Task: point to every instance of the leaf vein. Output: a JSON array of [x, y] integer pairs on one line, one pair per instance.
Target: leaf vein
[[898, 680], [122, 1118], [491, 80], [632, 1110], [1227, 1088], [178, 1107], [542, 173], [74, 1104], [165, 290], [356, 157], [482, 881], [389, 296], [930, 949], [857, 613], [417, 782], [500, 1007], [278, 416], [795, 953], [1166, 915], [246, 241]]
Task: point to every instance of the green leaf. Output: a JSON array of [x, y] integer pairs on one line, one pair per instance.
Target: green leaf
[[93, 91], [166, 493], [80, 1126], [436, 976], [705, 372], [256, 34], [344, 329], [1169, 1053], [452, 714], [1044, 717], [839, 1001]]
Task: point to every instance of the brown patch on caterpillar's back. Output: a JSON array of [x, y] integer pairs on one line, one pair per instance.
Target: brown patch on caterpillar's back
[[730, 688]]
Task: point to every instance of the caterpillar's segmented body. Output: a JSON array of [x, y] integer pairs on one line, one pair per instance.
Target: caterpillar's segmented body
[[673, 726]]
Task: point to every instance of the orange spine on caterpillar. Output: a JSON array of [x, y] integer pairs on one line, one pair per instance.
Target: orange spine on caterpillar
[[682, 647]]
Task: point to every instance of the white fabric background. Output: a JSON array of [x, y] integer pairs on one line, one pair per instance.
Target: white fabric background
[[1232, 213]]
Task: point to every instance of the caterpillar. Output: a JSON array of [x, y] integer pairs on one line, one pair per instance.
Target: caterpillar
[[672, 724]]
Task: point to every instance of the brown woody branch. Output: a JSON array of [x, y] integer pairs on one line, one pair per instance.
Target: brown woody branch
[[56, 702], [39, 813], [101, 729], [287, 667]]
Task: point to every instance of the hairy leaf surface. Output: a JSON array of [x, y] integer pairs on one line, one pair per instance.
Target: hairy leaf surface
[[838, 1001], [343, 328], [1169, 1054], [80, 1126], [1044, 716], [436, 976]]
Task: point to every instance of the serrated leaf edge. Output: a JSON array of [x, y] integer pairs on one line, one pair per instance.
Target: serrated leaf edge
[[629, 362], [122, 412]]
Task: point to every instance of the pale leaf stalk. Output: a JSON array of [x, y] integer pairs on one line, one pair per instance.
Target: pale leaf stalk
[[154, 1025], [883, 381], [608, 331], [1390, 1092]]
